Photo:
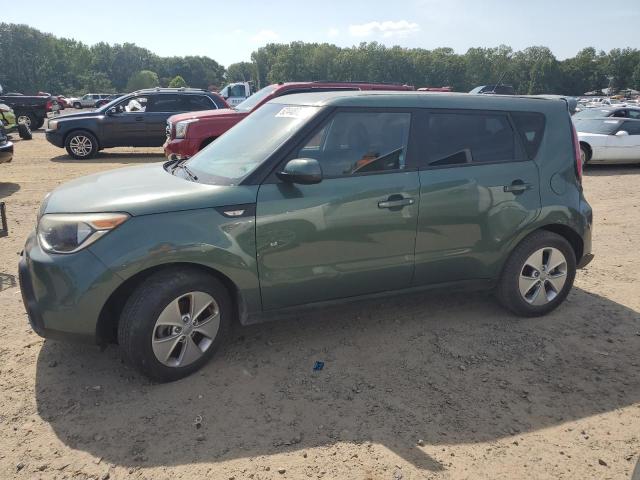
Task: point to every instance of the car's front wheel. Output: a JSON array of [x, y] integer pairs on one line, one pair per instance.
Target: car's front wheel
[[77, 105], [538, 275], [174, 322], [81, 145]]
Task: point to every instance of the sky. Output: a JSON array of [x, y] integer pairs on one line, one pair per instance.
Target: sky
[[229, 31]]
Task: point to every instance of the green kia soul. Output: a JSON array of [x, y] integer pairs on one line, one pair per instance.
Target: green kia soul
[[313, 198]]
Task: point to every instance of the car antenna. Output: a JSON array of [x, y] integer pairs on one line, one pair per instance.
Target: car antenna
[[499, 81]]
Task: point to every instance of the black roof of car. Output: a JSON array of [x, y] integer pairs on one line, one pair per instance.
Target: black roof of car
[[171, 90]]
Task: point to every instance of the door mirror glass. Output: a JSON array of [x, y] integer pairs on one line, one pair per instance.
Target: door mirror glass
[[112, 111], [305, 171], [622, 133]]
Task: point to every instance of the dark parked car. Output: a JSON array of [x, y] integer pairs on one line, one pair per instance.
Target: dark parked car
[[135, 120], [312, 198], [31, 110], [110, 98], [499, 89]]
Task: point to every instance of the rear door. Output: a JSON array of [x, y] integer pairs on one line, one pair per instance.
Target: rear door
[[478, 188], [159, 108], [354, 232]]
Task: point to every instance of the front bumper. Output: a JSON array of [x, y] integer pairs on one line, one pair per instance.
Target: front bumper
[[64, 294], [181, 147], [55, 137], [6, 152]]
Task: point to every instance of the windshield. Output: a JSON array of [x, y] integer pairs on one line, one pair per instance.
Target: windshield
[[593, 113], [237, 153], [600, 126], [250, 103]]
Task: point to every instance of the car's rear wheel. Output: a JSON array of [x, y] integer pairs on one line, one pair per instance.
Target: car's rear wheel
[[585, 154], [174, 322], [81, 145], [77, 105], [538, 275], [28, 119]]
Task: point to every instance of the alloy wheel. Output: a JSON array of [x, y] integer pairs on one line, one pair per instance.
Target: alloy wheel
[[81, 145], [543, 276], [186, 329], [25, 119]]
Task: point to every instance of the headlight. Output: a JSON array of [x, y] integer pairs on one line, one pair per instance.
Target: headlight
[[68, 233], [53, 124], [181, 127]]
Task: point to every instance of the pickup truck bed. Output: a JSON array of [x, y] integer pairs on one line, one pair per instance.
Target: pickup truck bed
[[31, 110]]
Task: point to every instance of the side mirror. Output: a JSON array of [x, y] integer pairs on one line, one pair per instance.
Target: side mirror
[[622, 133], [305, 171], [112, 111]]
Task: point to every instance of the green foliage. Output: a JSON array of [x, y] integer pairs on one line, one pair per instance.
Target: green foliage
[[177, 82], [143, 79], [33, 61]]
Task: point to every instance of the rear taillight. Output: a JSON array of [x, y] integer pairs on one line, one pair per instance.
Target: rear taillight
[[576, 153], [49, 105]]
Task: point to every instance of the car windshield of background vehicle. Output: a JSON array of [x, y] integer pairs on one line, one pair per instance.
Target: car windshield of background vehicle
[[237, 153], [255, 99], [598, 126], [593, 113]]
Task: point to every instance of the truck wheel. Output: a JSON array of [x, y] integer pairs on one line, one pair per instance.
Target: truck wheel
[[538, 275], [38, 124], [27, 119], [77, 105], [81, 145], [24, 131], [174, 322]]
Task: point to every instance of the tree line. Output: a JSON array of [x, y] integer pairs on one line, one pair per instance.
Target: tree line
[[34, 61]]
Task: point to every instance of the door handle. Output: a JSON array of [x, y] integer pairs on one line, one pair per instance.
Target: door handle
[[396, 201], [517, 186]]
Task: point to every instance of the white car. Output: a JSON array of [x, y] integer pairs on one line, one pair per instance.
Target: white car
[[609, 140]]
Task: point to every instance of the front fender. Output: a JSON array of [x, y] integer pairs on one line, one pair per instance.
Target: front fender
[[202, 237]]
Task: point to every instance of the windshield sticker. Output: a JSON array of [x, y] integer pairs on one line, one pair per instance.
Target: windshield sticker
[[294, 111]]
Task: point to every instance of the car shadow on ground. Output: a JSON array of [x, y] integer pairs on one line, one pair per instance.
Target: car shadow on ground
[[602, 170], [445, 369], [114, 157], [8, 188]]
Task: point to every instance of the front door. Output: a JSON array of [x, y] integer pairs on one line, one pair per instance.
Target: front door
[[126, 127], [479, 188], [625, 147], [354, 232]]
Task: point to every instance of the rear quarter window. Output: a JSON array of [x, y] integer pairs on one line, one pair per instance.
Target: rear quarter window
[[530, 126]]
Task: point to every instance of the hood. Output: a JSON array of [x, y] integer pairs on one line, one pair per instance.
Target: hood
[[71, 116], [208, 114], [142, 190]]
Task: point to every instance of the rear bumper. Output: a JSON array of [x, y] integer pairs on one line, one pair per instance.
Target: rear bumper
[[6, 152], [181, 147], [55, 137]]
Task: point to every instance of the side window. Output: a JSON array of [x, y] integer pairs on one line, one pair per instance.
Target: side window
[[132, 105], [459, 138], [634, 113], [530, 127], [620, 114], [217, 101], [351, 143], [165, 103], [632, 128], [197, 102]]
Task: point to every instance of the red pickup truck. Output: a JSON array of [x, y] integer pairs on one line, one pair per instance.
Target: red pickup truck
[[188, 133]]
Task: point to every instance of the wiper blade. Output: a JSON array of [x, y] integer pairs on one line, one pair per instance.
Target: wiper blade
[[183, 166]]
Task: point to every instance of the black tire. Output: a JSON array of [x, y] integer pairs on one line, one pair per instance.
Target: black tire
[[89, 149], [148, 301], [585, 154], [38, 124], [24, 132], [77, 105], [508, 290]]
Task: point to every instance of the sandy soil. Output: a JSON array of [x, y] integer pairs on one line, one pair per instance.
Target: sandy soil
[[440, 385]]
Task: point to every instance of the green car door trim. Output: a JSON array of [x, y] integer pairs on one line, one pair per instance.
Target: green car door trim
[[204, 237]]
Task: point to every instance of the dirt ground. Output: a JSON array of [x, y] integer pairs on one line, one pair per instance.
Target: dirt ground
[[439, 385]]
